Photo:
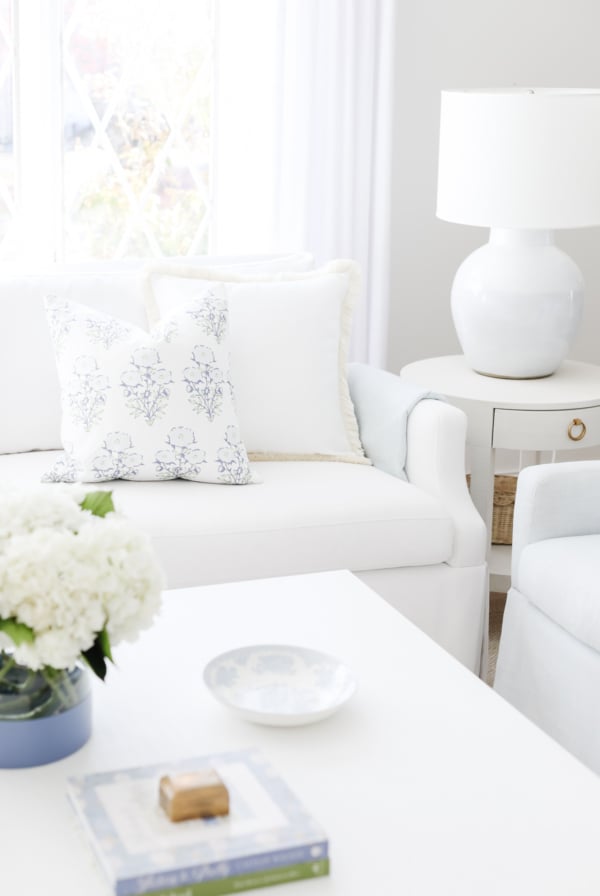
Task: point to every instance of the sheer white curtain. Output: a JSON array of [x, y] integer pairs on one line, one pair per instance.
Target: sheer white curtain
[[302, 153]]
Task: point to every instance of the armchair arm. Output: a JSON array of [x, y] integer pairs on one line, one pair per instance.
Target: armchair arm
[[436, 463], [555, 500]]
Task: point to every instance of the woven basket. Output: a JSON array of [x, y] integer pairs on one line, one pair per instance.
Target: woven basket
[[505, 488]]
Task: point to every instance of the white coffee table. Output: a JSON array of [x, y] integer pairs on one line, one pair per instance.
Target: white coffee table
[[426, 781]]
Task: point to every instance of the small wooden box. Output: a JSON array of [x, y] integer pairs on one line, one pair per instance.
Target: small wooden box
[[193, 795]]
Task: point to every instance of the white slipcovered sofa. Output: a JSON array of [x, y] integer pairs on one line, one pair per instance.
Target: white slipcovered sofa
[[415, 538]]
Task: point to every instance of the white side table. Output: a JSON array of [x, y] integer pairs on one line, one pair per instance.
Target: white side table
[[555, 413]]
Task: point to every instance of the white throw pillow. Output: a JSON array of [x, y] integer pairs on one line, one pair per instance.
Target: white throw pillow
[[114, 287], [139, 405], [289, 336]]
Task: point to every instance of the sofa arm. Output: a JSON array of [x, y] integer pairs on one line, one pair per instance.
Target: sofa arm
[[383, 402], [435, 462], [553, 501]]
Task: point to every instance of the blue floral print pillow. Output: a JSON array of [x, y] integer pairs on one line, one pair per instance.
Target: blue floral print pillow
[[147, 406]]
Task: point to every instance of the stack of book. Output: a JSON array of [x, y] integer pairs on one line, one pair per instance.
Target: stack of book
[[267, 838]]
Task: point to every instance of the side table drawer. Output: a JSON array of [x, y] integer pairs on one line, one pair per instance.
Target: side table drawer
[[561, 428]]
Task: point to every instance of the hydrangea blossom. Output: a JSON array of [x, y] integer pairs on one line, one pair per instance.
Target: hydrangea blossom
[[68, 574]]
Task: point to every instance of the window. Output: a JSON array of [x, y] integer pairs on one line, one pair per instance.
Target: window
[[105, 151]]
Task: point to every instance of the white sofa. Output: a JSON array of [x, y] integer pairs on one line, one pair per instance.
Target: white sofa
[[418, 542]]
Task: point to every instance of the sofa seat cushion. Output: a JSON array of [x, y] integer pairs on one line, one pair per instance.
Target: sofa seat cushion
[[561, 577], [301, 517]]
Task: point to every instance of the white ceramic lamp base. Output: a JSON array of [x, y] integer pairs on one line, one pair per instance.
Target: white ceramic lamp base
[[517, 304]]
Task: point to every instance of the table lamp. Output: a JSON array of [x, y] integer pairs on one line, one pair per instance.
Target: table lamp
[[523, 162]]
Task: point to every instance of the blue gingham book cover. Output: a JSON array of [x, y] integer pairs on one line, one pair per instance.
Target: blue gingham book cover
[[142, 850]]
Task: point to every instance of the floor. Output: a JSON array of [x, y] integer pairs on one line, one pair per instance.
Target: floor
[[497, 602]]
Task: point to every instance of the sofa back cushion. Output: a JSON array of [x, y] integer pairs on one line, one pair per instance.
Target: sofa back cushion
[[29, 390], [29, 393], [289, 335]]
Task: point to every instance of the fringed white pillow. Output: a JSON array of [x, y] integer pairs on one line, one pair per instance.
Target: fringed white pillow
[[147, 406], [289, 336]]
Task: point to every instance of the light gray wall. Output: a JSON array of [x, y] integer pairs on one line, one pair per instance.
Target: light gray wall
[[473, 43]]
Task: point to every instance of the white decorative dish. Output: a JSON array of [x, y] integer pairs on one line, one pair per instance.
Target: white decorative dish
[[279, 684]]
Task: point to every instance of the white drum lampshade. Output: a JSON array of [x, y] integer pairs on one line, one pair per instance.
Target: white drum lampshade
[[523, 162]]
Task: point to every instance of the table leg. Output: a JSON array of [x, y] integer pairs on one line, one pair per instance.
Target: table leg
[[529, 458]]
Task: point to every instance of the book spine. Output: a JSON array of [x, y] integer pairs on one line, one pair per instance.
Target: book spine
[[241, 882], [242, 865]]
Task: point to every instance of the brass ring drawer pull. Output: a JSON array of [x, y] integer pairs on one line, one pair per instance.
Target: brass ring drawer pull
[[576, 423]]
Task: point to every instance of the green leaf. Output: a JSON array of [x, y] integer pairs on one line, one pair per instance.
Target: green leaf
[[17, 631], [98, 653], [98, 503], [104, 642], [94, 657]]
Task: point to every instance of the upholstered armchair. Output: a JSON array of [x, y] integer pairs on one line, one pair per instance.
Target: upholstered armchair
[[549, 656]]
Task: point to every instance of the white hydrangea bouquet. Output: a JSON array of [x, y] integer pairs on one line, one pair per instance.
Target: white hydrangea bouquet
[[76, 577]]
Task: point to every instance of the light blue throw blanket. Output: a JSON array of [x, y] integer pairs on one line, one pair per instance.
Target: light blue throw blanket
[[383, 403]]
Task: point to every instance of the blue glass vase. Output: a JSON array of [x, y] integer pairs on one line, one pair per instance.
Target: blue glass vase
[[44, 715]]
